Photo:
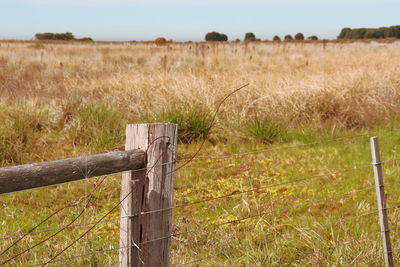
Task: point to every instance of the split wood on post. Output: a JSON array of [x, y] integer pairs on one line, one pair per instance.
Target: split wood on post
[[42, 174], [380, 194], [145, 191]]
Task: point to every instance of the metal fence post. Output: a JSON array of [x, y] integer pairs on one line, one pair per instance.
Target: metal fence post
[[380, 194], [145, 235]]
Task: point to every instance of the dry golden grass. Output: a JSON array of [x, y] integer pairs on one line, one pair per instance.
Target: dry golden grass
[[341, 85], [60, 100]]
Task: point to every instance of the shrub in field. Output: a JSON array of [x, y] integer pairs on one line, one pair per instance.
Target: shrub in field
[[193, 121], [216, 36], [288, 37], [249, 36], [276, 38], [266, 129], [312, 37], [160, 41], [299, 36]]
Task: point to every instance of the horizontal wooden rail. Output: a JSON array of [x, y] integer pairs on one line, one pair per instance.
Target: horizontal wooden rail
[[41, 174]]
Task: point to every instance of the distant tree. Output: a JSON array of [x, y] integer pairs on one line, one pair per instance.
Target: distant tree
[[312, 37], [288, 37], [249, 36], [344, 33], [276, 38], [237, 40], [223, 37], [160, 41], [370, 33], [299, 36], [44, 36], [68, 36], [212, 36], [216, 36]]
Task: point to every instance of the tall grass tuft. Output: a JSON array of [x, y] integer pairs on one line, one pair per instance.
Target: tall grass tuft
[[266, 129], [95, 125], [193, 121], [20, 131]]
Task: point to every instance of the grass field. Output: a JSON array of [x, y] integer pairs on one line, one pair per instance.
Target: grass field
[[65, 100]]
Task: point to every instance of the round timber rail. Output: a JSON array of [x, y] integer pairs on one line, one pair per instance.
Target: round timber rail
[[41, 174]]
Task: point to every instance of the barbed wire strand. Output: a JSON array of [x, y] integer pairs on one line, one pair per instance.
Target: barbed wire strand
[[248, 153], [205, 258], [236, 192], [284, 236], [108, 213], [187, 162], [312, 143], [31, 231], [260, 214], [213, 120], [296, 233], [21, 236], [58, 228], [215, 255], [178, 206], [199, 260], [331, 247], [59, 231], [85, 255], [293, 146]]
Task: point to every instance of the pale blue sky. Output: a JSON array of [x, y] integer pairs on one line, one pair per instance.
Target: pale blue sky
[[182, 20]]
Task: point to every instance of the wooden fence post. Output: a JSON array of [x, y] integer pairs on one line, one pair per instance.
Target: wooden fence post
[[148, 190], [380, 194]]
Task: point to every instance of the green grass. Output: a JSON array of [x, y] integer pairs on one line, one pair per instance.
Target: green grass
[[266, 129], [194, 121], [288, 234]]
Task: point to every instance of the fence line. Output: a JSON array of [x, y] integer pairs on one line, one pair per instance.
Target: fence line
[[53, 235], [155, 137], [205, 200], [88, 198], [84, 255], [309, 254], [259, 214], [290, 147], [200, 260], [291, 234], [245, 218], [338, 245], [178, 206]]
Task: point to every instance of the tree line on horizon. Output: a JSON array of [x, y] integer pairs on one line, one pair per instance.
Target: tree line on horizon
[[249, 37], [370, 33], [68, 36]]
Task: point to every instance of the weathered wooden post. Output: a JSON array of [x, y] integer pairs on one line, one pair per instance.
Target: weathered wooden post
[[380, 194], [143, 191]]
